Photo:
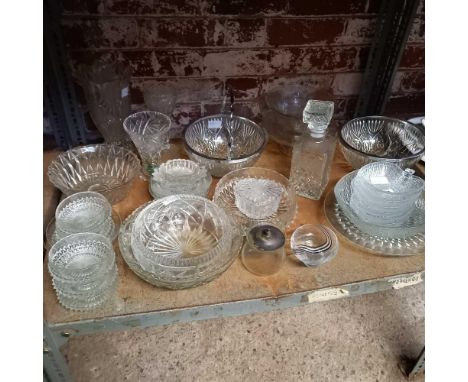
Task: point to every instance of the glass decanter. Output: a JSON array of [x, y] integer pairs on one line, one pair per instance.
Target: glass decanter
[[313, 151]]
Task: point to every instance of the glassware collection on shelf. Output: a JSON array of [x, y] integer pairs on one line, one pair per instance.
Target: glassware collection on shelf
[[182, 239]]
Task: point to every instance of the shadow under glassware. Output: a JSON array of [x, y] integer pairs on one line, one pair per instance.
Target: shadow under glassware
[[149, 131], [106, 88]]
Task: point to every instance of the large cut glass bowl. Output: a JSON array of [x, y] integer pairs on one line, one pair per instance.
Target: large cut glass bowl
[[375, 138], [107, 169], [222, 143], [181, 231]]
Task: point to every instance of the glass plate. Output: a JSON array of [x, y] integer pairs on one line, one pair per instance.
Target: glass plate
[[204, 274], [51, 237], [413, 226], [407, 246]]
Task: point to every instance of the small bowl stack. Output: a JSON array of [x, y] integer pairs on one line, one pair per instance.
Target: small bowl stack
[[384, 194], [83, 270]]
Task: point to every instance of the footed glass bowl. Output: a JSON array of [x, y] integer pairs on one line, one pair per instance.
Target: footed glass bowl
[[281, 215], [107, 169], [222, 143], [372, 139]]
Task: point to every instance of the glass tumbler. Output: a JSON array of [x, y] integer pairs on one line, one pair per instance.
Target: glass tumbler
[[149, 131], [263, 252]]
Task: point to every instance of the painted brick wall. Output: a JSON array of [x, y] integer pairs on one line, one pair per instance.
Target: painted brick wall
[[204, 45]]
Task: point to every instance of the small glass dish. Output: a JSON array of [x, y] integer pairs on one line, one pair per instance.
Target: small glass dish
[[180, 176], [314, 244], [84, 211], [257, 198], [224, 196], [107, 169]]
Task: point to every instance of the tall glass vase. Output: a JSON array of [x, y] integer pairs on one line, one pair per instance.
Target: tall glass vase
[[106, 87]]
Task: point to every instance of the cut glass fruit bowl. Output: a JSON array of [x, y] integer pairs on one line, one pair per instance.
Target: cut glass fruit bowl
[[223, 143], [107, 169]]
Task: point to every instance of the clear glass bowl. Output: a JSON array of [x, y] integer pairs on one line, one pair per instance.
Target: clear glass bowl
[[149, 131], [222, 143], [107, 169], [348, 219], [180, 231], [282, 109], [257, 198], [376, 138], [180, 176], [85, 211], [110, 230], [175, 277], [314, 244], [224, 197], [81, 257]]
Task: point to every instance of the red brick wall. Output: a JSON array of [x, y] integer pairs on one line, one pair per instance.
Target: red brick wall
[[204, 45]]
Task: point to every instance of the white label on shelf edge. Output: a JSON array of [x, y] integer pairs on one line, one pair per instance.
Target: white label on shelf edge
[[401, 282], [124, 92], [327, 294]]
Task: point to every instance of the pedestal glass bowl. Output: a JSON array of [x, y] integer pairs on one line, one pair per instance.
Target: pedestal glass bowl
[[222, 143], [375, 138], [86, 211], [224, 196], [149, 131], [314, 244], [180, 176], [180, 231], [107, 169]]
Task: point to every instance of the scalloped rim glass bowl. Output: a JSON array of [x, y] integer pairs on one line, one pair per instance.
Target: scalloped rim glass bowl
[[104, 168]]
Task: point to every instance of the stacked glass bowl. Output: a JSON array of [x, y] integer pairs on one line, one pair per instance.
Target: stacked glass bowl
[[83, 270], [182, 241], [87, 211]]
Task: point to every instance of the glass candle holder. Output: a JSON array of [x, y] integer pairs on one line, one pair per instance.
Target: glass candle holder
[[263, 252]]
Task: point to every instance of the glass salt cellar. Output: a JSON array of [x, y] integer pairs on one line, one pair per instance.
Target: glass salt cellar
[[313, 152]]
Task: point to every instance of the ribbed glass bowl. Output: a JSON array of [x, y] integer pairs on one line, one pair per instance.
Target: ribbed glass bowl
[[207, 142], [225, 197], [175, 277], [376, 138], [414, 225], [107, 169], [180, 231]]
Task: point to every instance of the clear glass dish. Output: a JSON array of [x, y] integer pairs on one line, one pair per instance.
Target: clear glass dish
[[110, 230], [107, 169], [257, 198], [222, 143], [180, 176], [382, 244], [149, 131], [224, 197], [314, 244], [175, 277], [85, 211], [180, 231], [376, 138]]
